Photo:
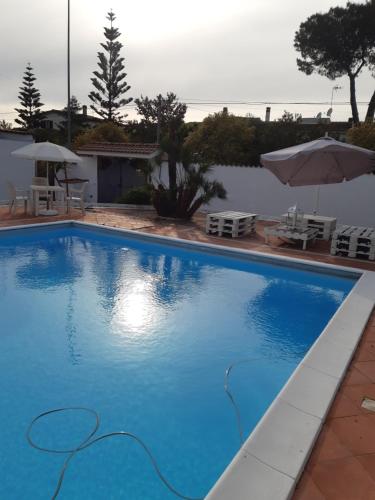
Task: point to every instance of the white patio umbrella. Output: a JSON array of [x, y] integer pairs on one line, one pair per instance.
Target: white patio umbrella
[[323, 161], [47, 151]]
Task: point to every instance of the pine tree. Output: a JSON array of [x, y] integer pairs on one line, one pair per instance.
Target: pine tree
[[4, 125], [109, 81], [168, 113], [75, 106], [29, 114], [76, 118]]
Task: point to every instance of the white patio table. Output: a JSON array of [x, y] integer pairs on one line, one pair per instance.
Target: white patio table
[[36, 190], [325, 225], [285, 231]]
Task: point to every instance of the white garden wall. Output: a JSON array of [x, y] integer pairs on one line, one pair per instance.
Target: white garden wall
[[15, 170], [86, 169], [258, 190]]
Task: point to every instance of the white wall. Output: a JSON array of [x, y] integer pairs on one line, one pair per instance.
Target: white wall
[[258, 190], [56, 118], [15, 170], [87, 169], [20, 172]]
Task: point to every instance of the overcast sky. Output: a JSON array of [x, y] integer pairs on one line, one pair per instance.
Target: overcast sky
[[237, 50]]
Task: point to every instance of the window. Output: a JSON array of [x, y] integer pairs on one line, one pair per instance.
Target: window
[[48, 124]]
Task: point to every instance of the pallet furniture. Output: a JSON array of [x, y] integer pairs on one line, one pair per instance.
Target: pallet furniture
[[233, 224], [325, 225], [292, 233], [354, 241]]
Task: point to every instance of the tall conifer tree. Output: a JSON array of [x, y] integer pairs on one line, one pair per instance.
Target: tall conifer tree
[[109, 80], [29, 114]]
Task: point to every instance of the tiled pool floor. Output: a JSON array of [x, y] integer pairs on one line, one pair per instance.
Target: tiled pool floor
[[342, 464]]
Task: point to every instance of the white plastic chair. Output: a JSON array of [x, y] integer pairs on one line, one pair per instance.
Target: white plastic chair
[[294, 217], [77, 195], [39, 181], [17, 195]]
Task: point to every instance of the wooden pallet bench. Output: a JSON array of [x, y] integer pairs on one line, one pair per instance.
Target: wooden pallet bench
[[325, 225], [354, 241], [233, 224]]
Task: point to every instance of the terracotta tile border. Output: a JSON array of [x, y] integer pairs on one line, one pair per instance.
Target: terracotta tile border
[[342, 463]]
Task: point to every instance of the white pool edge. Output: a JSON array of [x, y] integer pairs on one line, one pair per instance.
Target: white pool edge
[[273, 457], [270, 462], [219, 249]]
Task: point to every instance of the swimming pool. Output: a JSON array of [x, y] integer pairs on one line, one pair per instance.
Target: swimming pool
[[143, 332]]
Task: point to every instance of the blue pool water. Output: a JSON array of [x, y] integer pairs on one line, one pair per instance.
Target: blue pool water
[[142, 333]]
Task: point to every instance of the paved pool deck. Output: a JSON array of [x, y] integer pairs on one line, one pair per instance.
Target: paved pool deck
[[342, 463]]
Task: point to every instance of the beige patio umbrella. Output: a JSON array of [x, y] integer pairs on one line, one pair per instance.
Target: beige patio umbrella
[[323, 161]]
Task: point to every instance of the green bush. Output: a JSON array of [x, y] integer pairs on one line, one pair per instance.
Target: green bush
[[363, 135], [137, 196], [223, 138], [105, 132]]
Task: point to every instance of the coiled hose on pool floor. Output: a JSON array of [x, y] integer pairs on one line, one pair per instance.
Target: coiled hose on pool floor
[[89, 441], [92, 437], [231, 397]]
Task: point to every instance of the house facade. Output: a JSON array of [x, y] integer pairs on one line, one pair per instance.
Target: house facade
[[55, 118], [112, 169]]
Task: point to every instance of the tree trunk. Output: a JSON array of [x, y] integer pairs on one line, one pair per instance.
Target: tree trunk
[[172, 161], [353, 100], [172, 172], [371, 109]]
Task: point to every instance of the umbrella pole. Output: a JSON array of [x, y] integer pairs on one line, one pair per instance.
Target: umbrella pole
[[47, 176], [67, 189], [66, 177], [317, 196]]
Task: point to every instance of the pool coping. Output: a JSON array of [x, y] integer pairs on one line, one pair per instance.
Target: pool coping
[[271, 460]]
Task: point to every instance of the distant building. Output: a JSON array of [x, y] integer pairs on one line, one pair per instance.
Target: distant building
[[314, 121], [55, 118]]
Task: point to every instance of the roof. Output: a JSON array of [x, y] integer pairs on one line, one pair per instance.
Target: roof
[[121, 149], [12, 131], [315, 120], [16, 135], [81, 115]]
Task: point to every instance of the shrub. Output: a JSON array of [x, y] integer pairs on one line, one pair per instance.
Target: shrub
[[223, 139], [105, 132], [137, 196], [363, 135]]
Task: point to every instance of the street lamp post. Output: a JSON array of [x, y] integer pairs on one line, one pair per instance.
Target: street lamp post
[[69, 131], [334, 89]]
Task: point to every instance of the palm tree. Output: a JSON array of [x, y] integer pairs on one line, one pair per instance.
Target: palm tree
[[193, 190]]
